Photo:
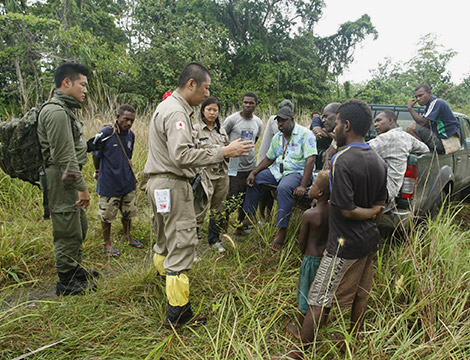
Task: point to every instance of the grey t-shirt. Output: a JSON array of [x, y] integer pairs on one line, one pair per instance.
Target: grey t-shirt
[[238, 127], [270, 130]]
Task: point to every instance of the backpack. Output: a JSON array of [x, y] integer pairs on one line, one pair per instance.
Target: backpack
[[20, 150]]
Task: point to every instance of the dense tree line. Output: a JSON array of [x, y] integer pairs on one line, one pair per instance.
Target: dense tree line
[[136, 49]]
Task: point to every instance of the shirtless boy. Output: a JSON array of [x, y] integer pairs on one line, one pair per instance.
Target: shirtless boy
[[312, 241]]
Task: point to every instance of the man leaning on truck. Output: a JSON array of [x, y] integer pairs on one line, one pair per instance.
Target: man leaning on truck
[[394, 145], [438, 128]]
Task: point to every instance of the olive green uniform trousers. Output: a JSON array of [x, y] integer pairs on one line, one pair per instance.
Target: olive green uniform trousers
[[69, 221]]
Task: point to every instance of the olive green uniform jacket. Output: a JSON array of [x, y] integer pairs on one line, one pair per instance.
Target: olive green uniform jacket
[[63, 148]]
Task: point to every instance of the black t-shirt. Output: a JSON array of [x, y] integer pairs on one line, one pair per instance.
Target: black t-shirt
[[358, 178]]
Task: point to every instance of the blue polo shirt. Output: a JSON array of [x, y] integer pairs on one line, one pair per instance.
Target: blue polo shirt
[[115, 177], [443, 122], [316, 122]]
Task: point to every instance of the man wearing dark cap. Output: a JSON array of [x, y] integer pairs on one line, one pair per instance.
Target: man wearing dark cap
[[266, 201], [270, 130], [288, 164]]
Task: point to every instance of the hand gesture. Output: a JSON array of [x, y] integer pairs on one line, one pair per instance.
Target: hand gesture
[[412, 103], [238, 148], [94, 144], [250, 180], [300, 191], [319, 132]]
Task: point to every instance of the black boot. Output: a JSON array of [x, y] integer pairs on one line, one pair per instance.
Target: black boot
[[82, 274], [179, 316], [214, 232], [214, 235], [69, 285]]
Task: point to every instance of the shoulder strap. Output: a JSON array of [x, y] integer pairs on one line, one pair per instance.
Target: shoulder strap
[[69, 112], [52, 101], [124, 151], [56, 101]]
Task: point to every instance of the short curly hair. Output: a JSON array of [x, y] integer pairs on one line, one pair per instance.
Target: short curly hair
[[359, 115], [323, 181], [126, 107]]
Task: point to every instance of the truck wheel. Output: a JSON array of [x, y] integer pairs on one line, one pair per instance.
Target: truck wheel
[[441, 202]]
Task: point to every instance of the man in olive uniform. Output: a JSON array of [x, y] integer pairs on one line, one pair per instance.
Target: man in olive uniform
[[172, 159], [64, 151]]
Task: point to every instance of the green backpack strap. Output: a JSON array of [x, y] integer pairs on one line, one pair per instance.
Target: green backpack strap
[[69, 112]]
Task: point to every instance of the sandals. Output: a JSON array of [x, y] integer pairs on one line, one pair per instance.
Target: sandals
[[137, 244], [113, 253], [276, 245], [278, 240]]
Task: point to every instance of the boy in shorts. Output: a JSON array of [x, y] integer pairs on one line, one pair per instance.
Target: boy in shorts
[[116, 179], [358, 179], [312, 242]]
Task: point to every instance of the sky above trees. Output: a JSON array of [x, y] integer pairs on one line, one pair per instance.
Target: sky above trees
[[271, 47], [400, 25]]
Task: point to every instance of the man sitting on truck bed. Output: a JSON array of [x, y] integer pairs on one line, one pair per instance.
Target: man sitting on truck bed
[[438, 128], [394, 145]]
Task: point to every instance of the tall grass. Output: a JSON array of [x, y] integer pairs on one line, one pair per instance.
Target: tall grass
[[419, 305]]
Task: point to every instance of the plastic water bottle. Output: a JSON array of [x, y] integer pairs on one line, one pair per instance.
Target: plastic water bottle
[[233, 166]]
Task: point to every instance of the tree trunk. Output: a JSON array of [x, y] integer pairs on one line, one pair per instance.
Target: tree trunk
[[39, 88], [21, 88]]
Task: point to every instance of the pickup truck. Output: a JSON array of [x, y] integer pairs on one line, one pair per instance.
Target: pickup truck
[[430, 179]]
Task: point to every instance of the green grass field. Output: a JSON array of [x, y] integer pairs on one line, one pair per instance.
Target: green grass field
[[419, 305]]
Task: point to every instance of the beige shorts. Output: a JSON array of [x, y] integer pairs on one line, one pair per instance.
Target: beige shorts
[[340, 281], [108, 207]]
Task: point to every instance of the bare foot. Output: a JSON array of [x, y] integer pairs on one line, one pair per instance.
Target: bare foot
[[278, 241], [132, 242], [294, 330]]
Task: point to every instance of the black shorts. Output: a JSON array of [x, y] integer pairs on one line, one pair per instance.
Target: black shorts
[[238, 184]]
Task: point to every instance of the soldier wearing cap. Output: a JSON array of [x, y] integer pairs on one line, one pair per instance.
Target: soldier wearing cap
[[289, 164]]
